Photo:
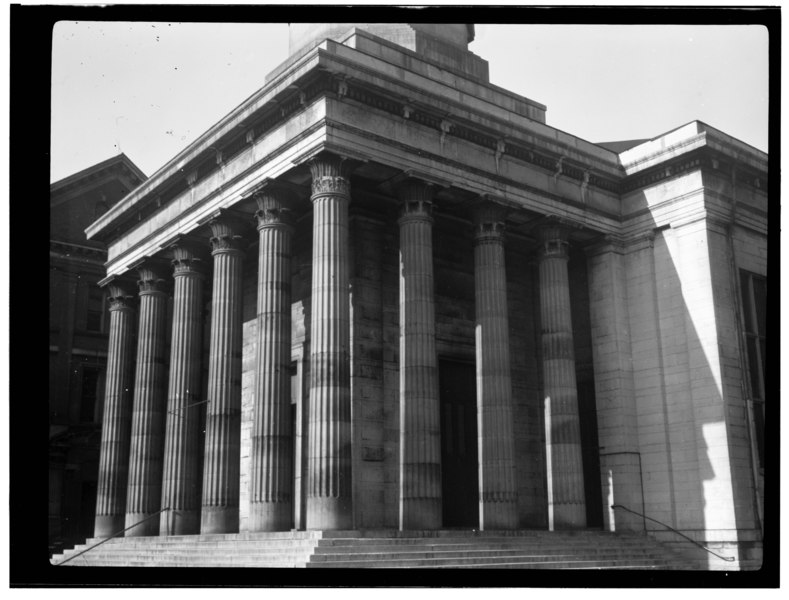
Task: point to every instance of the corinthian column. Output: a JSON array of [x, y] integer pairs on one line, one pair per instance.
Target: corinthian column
[[271, 502], [566, 499], [147, 437], [223, 411], [329, 503], [180, 490], [497, 490], [116, 428], [420, 433]]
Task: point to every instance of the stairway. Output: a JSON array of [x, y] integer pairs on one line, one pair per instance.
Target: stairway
[[524, 549]]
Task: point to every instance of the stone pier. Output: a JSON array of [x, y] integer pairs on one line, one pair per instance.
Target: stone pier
[[143, 497], [329, 493], [420, 433], [566, 498], [220, 508], [271, 502], [116, 428], [180, 491], [498, 499]]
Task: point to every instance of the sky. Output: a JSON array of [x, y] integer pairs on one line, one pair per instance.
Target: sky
[[149, 89]]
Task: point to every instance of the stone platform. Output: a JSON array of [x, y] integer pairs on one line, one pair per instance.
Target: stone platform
[[522, 549]]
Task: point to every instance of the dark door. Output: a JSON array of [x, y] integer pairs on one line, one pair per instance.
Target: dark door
[[87, 516], [457, 384], [590, 450]]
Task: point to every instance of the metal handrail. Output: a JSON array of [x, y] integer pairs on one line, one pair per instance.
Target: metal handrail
[[179, 409], [726, 558], [116, 534]]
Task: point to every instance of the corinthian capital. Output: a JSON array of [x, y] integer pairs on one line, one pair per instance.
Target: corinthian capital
[[275, 207], [554, 240], [119, 297], [186, 260], [330, 175], [489, 221], [152, 279], [416, 199], [225, 235]]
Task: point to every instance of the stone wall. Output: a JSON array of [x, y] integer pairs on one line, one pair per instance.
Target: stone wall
[[528, 416], [693, 428]]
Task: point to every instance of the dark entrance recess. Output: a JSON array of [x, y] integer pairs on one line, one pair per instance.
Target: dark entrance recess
[[459, 487], [87, 509], [591, 454], [584, 373]]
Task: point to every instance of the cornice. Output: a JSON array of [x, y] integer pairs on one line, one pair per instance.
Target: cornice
[[700, 158], [469, 169], [219, 190], [263, 111], [426, 112], [70, 249]]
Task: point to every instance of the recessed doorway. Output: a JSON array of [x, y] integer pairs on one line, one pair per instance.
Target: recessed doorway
[[459, 485]]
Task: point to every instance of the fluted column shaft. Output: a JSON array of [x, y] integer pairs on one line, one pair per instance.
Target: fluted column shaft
[[116, 427], [420, 433], [221, 462], [329, 504], [147, 437], [496, 445], [180, 491], [566, 499], [271, 479]]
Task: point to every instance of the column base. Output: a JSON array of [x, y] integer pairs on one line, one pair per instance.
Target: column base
[[147, 528], [270, 516], [329, 513], [568, 516], [107, 525], [498, 515], [179, 522], [621, 484], [420, 513], [219, 519]]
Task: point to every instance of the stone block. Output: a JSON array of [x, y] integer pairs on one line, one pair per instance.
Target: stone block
[[372, 454]]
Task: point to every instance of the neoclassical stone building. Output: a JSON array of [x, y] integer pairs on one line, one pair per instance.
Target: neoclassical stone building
[[383, 294]]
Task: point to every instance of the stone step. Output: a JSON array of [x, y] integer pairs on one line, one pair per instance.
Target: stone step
[[197, 553], [249, 549], [323, 550], [475, 562], [516, 565], [523, 561], [195, 564], [472, 554], [259, 548], [385, 549], [192, 554], [213, 546], [369, 543], [339, 538], [201, 540]]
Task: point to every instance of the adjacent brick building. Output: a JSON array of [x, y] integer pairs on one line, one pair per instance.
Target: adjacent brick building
[[78, 342]]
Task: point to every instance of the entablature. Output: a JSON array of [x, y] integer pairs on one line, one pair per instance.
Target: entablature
[[323, 72]]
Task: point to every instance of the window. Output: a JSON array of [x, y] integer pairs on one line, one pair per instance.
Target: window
[[95, 317], [753, 289], [90, 388]]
